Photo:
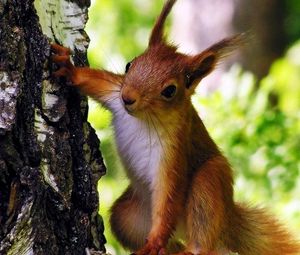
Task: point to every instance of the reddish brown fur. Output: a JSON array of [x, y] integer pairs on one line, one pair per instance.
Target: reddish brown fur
[[157, 31], [130, 218], [193, 186]]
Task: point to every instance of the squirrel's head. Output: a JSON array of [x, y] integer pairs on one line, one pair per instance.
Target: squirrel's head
[[162, 79]]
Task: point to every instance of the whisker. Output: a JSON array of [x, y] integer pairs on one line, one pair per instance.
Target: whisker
[[106, 92], [161, 124], [114, 82], [119, 110], [110, 61], [155, 128], [109, 100], [140, 135], [149, 137]]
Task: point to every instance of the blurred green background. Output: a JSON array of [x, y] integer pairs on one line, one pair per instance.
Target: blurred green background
[[254, 121]]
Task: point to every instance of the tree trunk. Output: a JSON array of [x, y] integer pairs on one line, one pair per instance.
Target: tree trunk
[[265, 21], [49, 154]]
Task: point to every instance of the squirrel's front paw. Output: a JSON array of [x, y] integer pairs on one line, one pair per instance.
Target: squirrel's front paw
[[151, 248], [61, 57]]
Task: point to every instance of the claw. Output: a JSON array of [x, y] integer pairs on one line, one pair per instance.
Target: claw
[[162, 251], [61, 57], [62, 60], [183, 253], [61, 72], [60, 49], [151, 251]]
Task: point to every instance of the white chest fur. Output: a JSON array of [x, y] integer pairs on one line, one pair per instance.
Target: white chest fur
[[138, 144]]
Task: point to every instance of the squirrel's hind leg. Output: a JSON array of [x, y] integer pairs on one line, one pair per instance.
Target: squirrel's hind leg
[[131, 219], [219, 252], [206, 214]]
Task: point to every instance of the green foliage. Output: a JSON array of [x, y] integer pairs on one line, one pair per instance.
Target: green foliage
[[292, 24], [127, 34]]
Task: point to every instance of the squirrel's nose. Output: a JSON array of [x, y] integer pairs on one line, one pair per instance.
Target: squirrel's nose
[[128, 101]]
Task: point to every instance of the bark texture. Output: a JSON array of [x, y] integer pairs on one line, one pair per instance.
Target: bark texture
[[49, 154], [265, 20]]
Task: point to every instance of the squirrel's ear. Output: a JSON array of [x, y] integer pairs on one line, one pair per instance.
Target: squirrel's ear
[[158, 29], [202, 64]]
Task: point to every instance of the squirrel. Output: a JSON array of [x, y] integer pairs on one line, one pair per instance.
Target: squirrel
[[180, 196]]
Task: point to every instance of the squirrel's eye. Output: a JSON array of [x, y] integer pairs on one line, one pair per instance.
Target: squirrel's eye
[[169, 91], [127, 66]]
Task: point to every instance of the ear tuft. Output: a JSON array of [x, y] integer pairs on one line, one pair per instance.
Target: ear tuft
[[202, 64], [226, 46], [157, 31]]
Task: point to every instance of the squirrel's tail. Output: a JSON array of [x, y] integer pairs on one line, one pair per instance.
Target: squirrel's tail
[[255, 232]]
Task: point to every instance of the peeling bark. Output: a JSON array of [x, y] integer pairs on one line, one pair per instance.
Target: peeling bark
[[49, 154]]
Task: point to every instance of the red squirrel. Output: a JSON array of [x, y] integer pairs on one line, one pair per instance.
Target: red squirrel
[[180, 196]]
